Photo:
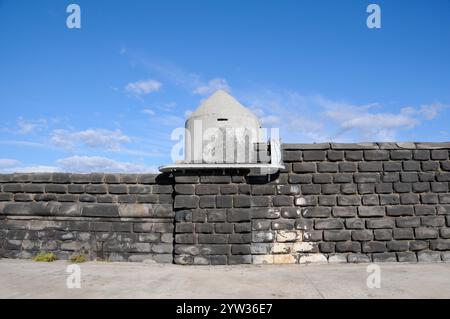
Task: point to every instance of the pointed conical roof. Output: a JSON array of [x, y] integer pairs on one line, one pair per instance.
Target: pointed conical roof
[[222, 104]]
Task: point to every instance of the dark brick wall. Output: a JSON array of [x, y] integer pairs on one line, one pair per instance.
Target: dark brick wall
[[103, 216], [332, 203]]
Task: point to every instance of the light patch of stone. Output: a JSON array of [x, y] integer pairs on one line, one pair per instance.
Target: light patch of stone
[[303, 247], [263, 259], [313, 258], [281, 248], [284, 259]]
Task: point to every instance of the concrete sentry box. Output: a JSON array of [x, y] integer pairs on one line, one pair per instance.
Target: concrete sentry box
[[222, 134]]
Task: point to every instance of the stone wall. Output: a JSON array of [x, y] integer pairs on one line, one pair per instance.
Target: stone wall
[[103, 216], [332, 203]]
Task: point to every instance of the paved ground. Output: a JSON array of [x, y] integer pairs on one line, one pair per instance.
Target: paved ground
[[28, 279]]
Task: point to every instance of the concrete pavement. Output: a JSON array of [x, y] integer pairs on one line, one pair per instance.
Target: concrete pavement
[[28, 279]]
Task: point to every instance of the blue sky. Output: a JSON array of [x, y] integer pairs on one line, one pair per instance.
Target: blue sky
[[106, 97]]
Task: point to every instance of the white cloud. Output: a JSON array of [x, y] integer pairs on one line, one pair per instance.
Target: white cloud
[[148, 112], [31, 126], [212, 86], [317, 119], [93, 138], [188, 113], [30, 169], [6, 163], [143, 87], [87, 164]]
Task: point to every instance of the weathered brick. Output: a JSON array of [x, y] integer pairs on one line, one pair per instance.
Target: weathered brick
[[238, 215], [370, 166], [300, 178], [366, 188], [376, 155], [304, 167], [327, 167], [265, 212], [426, 233], [345, 212], [335, 155], [430, 166], [349, 200], [439, 154], [354, 155], [186, 201], [407, 199], [343, 178], [354, 223], [362, 235], [400, 210], [403, 233], [347, 167], [429, 198], [374, 247], [383, 234], [371, 211], [329, 224], [401, 154], [421, 155], [370, 200], [392, 166], [316, 212], [436, 187], [310, 189], [314, 155], [380, 223], [367, 177], [327, 200], [407, 222], [336, 235], [322, 178], [433, 221], [349, 189]]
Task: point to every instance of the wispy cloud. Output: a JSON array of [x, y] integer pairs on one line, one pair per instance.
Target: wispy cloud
[[143, 87], [93, 138], [148, 112], [316, 119], [31, 126], [6, 163], [212, 86], [100, 164]]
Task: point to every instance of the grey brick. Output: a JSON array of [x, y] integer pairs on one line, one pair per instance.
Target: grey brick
[[358, 258], [100, 210], [421, 187], [291, 212], [335, 155], [329, 224], [336, 235], [391, 199], [315, 155], [400, 210], [126, 199], [46, 177], [259, 201], [439, 154], [384, 257], [162, 189], [262, 236], [426, 233], [444, 198], [75, 188], [392, 166], [243, 227], [12, 188], [440, 244], [409, 177], [407, 199], [429, 198], [430, 166], [354, 223], [417, 245], [349, 200], [390, 177], [443, 177], [383, 234], [238, 215], [96, 189], [304, 167], [380, 223], [310, 189], [207, 189], [437, 187], [402, 187], [383, 188], [367, 177], [362, 235], [354, 155], [265, 212], [292, 156], [348, 247], [345, 212], [33, 188], [116, 189], [212, 238], [343, 178], [184, 238], [283, 200], [184, 227], [411, 166], [216, 215], [349, 189], [370, 200], [445, 165], [403, 233], [401, 154], [407, 222], [186, 201], [366, 188], [376, 155], [263, 190], [327, 200], [421, 155], [428, 256], [433, 221], [304, 224], [330, 189], [327, 167], [374, 247], [370, 167], [426, 176], [223, 201], [322, 178], [207, 201], [347, 167], [228, 189], [300, 178], [204, 228], [283, 224], [317, 212], [406, 257], [371, 211]]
